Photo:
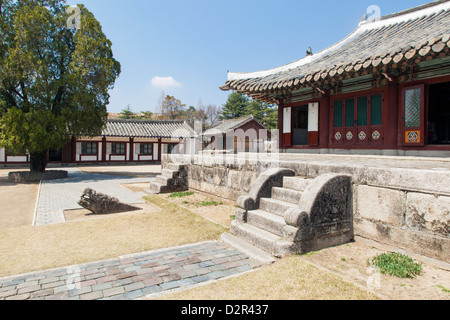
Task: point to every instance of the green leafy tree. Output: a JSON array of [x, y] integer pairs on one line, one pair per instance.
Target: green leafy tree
[[265, 113], [127, 113], [146, 115], [235, 107], [238, 106], [54, 80]]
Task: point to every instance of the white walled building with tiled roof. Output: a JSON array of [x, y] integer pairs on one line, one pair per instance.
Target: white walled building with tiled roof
[[242, 134], [121, 141]]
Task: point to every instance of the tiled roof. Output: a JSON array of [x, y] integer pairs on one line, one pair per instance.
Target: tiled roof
[[419, 33], [147, 129], [229, 125]]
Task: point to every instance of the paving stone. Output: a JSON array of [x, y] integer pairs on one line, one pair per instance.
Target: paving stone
[[122, 282], [62, 289], [102, 286], [170, 285], [23, 296], [29, 289], [133, 294], [53, 284], [153, 281], [8, 293], [197, 265], [48, 280], [106, 279], [41, 293], [92, 295], [58, 296], [113, 291], [63, 194], [134, 286], [27, 284], [151, 290]]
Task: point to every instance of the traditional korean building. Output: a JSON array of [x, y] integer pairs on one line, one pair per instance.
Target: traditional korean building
[[384, 89], [244, 134], [121, 141]]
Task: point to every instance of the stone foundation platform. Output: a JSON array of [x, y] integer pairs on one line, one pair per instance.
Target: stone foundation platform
[[398, 201]]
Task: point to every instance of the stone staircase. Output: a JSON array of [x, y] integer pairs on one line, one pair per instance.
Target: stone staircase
[[281, 222], [173, 178], [264, 227]]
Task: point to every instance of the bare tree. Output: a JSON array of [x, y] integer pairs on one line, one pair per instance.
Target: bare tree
[[213, 113], [159, 106]]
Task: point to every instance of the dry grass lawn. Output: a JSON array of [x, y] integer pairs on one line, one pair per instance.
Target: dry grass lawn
[[291, 278], [338, 273], [26, 249], [18, 201]]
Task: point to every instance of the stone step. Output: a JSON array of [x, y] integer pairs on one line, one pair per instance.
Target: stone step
[[275, 206], [171, 174], [288, 195], [262, 239], [266, 221], [175, 166], [165, 180], [249, 249], [267, 241], [158, 187], [296, 183]]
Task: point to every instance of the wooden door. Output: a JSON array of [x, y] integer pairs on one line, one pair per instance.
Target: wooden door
[[412, 122]]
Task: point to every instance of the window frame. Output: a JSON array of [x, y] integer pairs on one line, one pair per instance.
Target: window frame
[[357, 115], [142, 148], [114, 150], [85, 149]]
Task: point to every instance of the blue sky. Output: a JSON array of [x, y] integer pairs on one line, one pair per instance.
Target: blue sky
[[186, 47]]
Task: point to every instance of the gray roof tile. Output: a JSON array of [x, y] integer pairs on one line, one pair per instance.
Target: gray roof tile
[[370, 44], [147, 129], [229, 125]]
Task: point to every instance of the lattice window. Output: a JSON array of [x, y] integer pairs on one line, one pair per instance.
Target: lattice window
[[362, 111], [412, 108], [146, 148], [350, 112], [375, 110], [338, 106], [118, 148], [89, 148]]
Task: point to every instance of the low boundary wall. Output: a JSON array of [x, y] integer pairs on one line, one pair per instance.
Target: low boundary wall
[[405, 207]]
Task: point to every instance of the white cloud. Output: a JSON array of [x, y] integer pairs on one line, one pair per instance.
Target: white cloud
[[165, 82]]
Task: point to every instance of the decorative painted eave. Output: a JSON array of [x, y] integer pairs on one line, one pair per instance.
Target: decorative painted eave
[[392, 47]]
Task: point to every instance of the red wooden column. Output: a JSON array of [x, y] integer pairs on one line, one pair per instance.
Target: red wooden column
[[74, 149], [131, 149], [104, 149], [324, 122], [280, 126], [159, 150]]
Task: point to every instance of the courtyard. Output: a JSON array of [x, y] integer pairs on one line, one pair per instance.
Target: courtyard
[[168, 250]]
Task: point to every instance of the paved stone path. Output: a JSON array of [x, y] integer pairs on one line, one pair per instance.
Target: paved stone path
[[130, 277], [55, 196]]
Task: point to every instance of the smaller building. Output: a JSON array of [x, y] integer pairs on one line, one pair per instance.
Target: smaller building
[[244, 134], [121, 141]]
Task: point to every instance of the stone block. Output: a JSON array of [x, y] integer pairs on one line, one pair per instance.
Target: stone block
[[241, 214], [358, 173], [380, 204], [429, 213], [435, 182], [241, 180], [25, 176]]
